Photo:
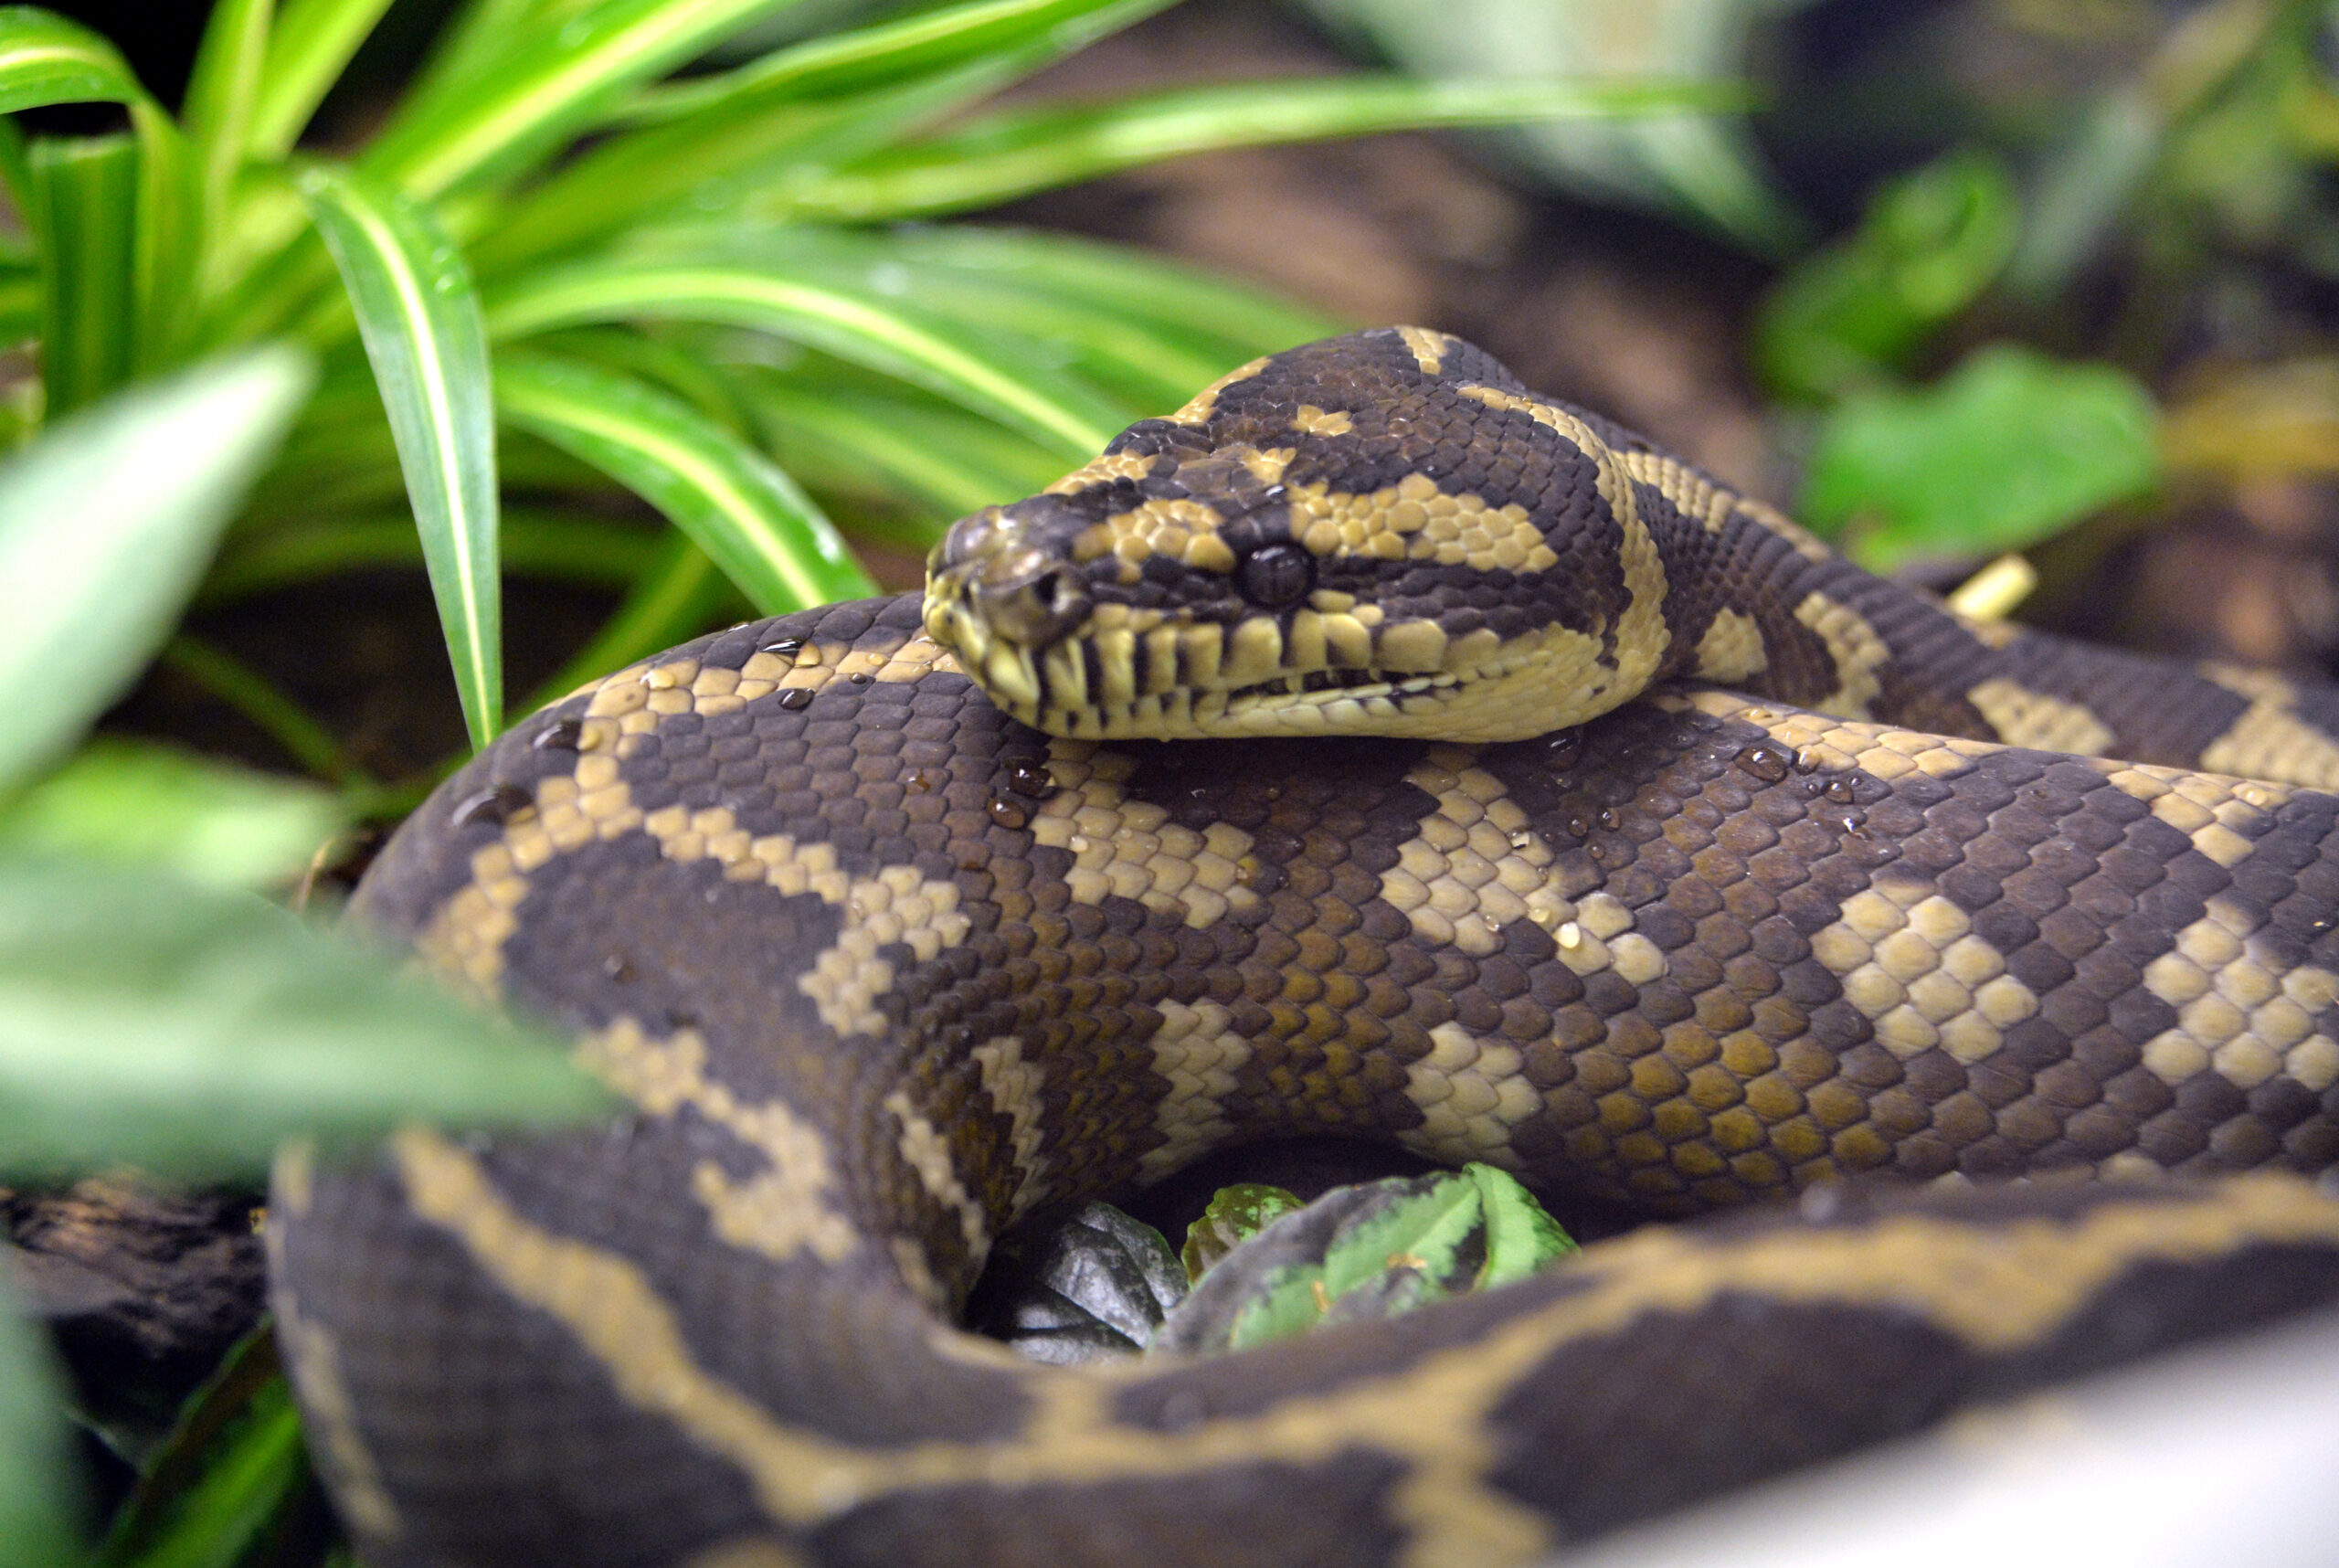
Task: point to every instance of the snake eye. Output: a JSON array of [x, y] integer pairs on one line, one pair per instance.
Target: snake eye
[[1276, 575]]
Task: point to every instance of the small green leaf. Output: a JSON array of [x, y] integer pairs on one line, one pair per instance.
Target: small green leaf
[[1235, 1214], [105, 524], [988, 374], [232, 1463], [737, 505], [313, 40], [2008, 449], [195, 817], [39, 1491], [1015, 153], [186, 1028], [1854, 313], [85, 215], [1371, 1251], [419, 317]]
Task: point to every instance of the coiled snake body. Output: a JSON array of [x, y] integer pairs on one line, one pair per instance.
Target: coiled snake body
[[884, 969]]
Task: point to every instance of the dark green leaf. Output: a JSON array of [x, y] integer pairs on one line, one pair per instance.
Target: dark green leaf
[[420, 319], [105, 524], [1855, 313], [2008, 449], [1367, 1252], [1235, 1214], [184, 1029], [85, 217], [231, 1466]]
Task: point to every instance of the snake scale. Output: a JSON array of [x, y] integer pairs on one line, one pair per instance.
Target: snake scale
[[884, 968]]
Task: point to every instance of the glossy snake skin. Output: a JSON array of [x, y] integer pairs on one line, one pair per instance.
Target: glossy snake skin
[[884, 969]]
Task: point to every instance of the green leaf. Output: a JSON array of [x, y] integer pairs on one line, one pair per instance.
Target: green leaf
[[105, 524], [1235, 1214], [1856, 312], [714, 161], [1016, 153], [46, 59], [767, 537], [195, 817], [38, 1489], [1371, 1251], [2009, 448], [419, 317], [186, 1028], [85, 215], [231, 1464], [890, 51], [313, 40], [220, 96], [844, 435], [560, 81], [859, 323]]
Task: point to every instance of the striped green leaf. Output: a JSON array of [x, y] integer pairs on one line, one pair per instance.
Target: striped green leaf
[[738, 506], [891, 52], [561, 79], [988, 374], [45, 60], [105, 524], [419, 318], [313, 40], [84, 217], [220, 94], [1016, 153]]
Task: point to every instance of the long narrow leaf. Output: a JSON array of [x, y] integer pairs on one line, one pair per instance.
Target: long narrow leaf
[[749, 517], [890, 52], [231, 1466], [313, 41], [710, 161], [563, 547], [38, 1489], [183, 1028], [85, 214], [45, 60], [986, 374], [563, 80], [419, 318], [105, 527], [1017, 152], [220, 100]]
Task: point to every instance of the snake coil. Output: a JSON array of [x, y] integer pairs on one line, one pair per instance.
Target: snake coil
[[1268, 775]]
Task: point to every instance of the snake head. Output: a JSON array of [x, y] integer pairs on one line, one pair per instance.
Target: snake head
[[1377, 533]]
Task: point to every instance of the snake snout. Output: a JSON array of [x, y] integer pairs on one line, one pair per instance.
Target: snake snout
[[1002, 575]]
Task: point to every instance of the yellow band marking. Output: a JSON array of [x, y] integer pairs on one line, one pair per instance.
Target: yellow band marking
[[1858, 651], [1013, 1086], [1429, 348], [1733, 648], [1997, 1288], [2025, 717], [927, 1152], [1131, 848], [789, 1207], [1413, 520], [1205, 403], [2270, 740]]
